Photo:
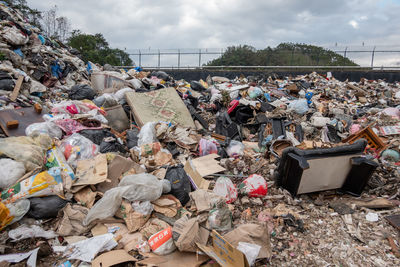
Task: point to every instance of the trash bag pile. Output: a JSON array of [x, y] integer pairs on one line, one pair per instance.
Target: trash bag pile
[[102, 166]]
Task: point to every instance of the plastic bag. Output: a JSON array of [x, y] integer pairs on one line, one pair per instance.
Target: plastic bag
[[41, 184], [96, 136], [254, 186], [28, 150], [86, 250], [24, 232], [49, 128], [197, 86], [120, 94], [137, 84], [161, 243], [111, 144], [70, 126], [250, 251], [142, 187], [180, 184], [220, 217], [73, 107], [13, 212], [10, 172], [299, 106], [55, 158], [207, 147], [46, 207], [132, 137], [143, 207], [147, 134], [235, 149], [226, 189], [394, 112], [254, 92], [390, 155], [77, 147], [81, 91]]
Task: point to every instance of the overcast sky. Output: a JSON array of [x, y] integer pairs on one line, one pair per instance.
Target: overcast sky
[[133, 24]]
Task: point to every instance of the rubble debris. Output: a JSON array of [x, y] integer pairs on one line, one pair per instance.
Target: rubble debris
[[119, 165]]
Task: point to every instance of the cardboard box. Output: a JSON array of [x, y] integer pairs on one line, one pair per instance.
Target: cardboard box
[[223, 252]]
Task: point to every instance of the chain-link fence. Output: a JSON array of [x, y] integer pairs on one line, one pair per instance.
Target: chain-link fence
[[375, 57]]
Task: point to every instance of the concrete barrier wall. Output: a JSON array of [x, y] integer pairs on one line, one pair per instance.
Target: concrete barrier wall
[[188, 75]]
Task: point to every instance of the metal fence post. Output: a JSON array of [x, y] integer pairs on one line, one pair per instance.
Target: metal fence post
[[199, 57], [159, 55], [179, 58], [372, 58]]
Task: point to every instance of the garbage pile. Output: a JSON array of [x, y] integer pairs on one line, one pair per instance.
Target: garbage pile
[[101, 166]]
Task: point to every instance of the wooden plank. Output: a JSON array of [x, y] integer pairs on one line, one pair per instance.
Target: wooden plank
[[17, 87]]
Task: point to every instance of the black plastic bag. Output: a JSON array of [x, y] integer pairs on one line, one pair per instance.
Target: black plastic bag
[[132, 137], [6, 82], [111, 144], [81, 91], [45, 207], [197, 86], [180, 183], [161, 75], [96, 136]]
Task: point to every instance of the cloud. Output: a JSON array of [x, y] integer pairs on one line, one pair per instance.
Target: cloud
[[353, 24], [197, 24]]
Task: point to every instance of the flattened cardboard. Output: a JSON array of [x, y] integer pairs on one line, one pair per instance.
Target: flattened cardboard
[[251, 233], [207, 165], [116, 168], [167, 205], [203, 199], [176, 259], [91, 171], [187, 232], [86, 197], [111, 258], [224, 253], [196, 179]]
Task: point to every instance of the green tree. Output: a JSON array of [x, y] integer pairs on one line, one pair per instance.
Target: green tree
[[285, 54], [95, 48]]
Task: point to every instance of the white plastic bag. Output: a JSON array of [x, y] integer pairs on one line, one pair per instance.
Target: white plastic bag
[[10, 172], [24, 232], [235, 149], [226, 189], [143, 207], [161, 243], [120, 94], [142, 187], [86, 250], [77, 147], [299, 106], [254, 186], [220, 217], [147, 134], [48, 128], [250, 251]]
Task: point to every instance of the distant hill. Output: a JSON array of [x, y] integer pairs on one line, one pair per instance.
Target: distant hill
[[285, 54]]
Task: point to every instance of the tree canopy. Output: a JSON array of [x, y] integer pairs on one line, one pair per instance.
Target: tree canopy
[[95, 48], [285, 54]]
